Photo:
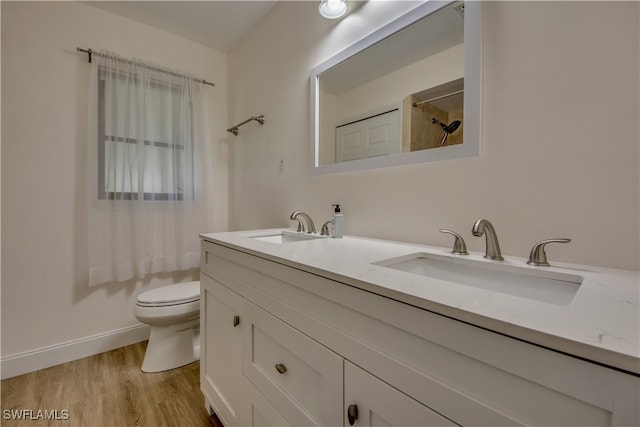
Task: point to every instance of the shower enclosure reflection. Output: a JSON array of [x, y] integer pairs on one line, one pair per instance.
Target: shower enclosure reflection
[[434, 118]]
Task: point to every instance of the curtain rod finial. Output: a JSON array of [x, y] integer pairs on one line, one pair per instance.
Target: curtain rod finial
[[87, 51]]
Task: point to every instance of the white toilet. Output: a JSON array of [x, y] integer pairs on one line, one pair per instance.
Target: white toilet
[[173, 312]]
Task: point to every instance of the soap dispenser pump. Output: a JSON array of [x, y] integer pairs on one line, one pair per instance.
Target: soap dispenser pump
[[338, 222]]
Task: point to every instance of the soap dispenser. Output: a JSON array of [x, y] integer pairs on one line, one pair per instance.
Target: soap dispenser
[[338, 222]]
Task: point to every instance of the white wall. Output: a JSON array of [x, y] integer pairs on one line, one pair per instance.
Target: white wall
[[45, 298], [560, 134]]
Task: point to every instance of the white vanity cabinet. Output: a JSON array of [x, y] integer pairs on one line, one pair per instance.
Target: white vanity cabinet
[[341, 347]]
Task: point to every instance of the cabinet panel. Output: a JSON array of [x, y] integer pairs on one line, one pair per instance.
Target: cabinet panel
[[378, 404], [300, 377], [257, 411], [221, 361]]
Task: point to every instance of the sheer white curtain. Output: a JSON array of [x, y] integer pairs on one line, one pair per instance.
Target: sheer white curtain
[[148, 191]]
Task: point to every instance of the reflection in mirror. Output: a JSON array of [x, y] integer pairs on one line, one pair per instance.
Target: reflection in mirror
[[433, 118], [407, 90]]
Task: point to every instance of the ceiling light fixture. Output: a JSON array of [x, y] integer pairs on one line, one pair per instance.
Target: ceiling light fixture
[[332, 9]]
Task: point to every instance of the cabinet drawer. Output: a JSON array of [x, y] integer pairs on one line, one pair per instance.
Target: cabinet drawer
[[299, 376], [257, 411]]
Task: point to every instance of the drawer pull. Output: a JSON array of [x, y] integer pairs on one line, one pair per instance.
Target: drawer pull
[[352, 414], [281, 368], [236, 321]]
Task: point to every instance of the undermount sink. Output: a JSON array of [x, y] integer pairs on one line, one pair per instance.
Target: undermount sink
[[526, 282], [287, 237]]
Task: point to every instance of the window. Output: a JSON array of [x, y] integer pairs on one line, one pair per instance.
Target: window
[[145, 134]]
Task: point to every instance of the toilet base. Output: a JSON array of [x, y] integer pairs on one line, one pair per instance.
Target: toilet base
[[172, 346]]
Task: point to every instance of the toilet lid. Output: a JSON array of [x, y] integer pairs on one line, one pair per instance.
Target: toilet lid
[[179, 293]]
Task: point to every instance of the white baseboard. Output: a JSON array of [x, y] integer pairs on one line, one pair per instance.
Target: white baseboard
[[33, 360]]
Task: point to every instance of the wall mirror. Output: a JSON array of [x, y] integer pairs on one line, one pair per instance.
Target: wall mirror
[[408, 93]]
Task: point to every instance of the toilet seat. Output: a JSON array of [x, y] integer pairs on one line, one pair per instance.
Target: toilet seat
[[170, 295]]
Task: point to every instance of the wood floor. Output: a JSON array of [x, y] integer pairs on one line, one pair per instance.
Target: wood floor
[[106, 390]]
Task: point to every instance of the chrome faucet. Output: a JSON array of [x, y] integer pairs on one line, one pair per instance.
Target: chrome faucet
[[492, 246], [310, 225]]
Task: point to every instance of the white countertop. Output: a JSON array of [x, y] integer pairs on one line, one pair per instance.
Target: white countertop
[[601, 323]]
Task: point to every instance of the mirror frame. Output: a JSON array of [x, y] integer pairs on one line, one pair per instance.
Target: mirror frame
[[472, 93]]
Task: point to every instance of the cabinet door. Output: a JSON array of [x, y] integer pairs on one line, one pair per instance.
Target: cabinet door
[[371, 402], [221, 325]]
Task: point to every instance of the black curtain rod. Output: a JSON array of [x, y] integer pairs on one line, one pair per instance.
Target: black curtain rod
[[90, 52]]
